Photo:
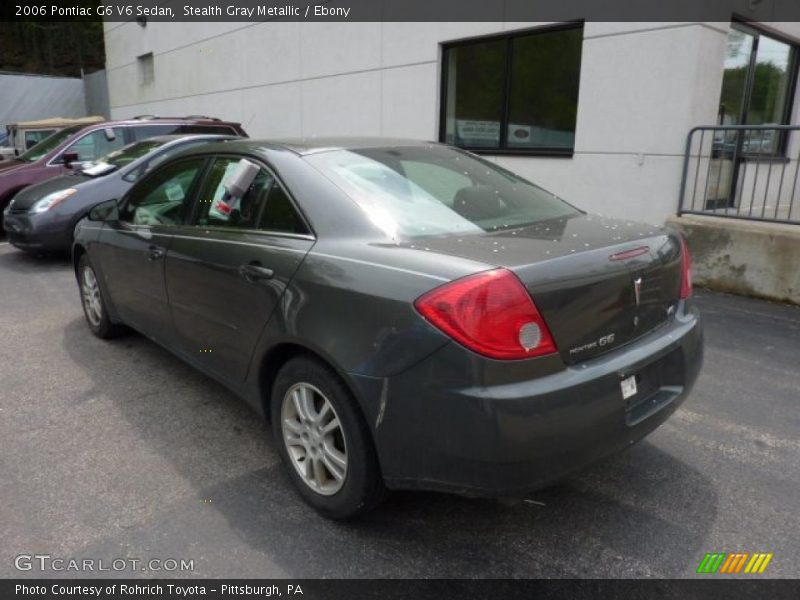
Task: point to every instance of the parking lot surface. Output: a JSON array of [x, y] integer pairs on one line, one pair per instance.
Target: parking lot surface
[[119, 450]]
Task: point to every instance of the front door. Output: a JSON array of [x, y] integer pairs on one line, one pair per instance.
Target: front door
[[228, 267], [132, 251]]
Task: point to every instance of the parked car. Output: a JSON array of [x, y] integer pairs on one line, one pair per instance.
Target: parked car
[[25, 135], [42, 217], [71, 147], [407, 314]]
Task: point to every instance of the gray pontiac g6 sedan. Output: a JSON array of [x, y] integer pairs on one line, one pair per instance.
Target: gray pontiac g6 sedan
[[407, 315]]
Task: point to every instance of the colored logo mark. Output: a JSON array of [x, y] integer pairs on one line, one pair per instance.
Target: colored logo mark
[[736, 562]]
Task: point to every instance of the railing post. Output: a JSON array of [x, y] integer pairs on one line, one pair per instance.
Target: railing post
[[684, 176]]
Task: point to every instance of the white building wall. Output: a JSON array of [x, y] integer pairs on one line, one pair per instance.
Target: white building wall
[[642, 87]]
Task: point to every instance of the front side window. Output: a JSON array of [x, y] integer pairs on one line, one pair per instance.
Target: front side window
[[264, 206], [164, 197], [418, 191], [756, 87], [98, 143], [516, 93]]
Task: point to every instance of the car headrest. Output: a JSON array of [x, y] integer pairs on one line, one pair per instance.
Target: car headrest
[[477, 203]]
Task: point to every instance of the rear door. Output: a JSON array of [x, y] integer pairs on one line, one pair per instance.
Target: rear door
[[132, 251], [227, 269]]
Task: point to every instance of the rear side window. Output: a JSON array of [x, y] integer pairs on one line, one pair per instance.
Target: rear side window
[[163, 198], [142, 132], [208, 129], [265, 205], [279, 214]]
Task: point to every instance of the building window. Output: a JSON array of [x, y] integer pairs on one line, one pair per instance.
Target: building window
[[514, 93], [757, 85], [146, 71]]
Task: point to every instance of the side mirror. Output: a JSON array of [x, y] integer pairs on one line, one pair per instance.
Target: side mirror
[[69, 157], [242, 178], [106, 212]]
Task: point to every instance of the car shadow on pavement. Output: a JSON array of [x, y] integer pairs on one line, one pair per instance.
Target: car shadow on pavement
[[24, 262], [643, 513]]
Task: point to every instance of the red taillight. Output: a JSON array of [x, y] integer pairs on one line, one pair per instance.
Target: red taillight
[[490, 313], [686, 270]]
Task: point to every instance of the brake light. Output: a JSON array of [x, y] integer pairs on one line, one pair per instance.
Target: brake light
[[490, 313], [686, 270]]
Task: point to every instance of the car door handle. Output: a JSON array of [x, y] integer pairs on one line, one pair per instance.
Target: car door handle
[[254, 273], [154, 253]]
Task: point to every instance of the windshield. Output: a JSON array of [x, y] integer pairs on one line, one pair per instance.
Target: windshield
[[48, 144], [419, 191], [119, 158]]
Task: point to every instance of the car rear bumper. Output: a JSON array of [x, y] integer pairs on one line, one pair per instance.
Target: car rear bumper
[[448, 424], [24, 233]]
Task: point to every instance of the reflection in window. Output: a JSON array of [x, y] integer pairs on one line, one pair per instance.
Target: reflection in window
[[755, 90], [161, 200], [518, 92]]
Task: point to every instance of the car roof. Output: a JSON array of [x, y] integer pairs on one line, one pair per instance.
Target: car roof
[[304, 146]]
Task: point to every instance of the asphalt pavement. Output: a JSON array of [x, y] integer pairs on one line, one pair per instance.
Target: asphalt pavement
[[118, 450]]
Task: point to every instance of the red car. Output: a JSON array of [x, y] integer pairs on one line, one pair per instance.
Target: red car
[[70, 147]]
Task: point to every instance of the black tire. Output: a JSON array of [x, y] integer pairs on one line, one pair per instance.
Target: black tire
[[100, 324], [362, 485]]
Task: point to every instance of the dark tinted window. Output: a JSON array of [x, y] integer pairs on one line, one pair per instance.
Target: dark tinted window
[[756, 89], [142, 132], [209, 129], [518, 92], [163, 198], [279, 214], [475, 94]]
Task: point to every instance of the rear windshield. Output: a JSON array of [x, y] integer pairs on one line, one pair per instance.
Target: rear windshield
[[48, 144], [435, 190]]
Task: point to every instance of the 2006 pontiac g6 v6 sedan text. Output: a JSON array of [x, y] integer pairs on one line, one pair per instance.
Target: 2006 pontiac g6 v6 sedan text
[[406, 314]]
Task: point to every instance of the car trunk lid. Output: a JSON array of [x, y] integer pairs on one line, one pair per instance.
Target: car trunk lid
[[599, 283]]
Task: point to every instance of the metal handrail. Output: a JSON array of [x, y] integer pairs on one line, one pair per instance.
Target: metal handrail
[[728, 195]]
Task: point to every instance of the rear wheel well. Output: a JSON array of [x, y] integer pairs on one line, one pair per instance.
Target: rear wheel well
[[278, 356]]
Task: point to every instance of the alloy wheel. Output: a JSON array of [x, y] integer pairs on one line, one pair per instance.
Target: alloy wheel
[[90, 292], [314, 438]]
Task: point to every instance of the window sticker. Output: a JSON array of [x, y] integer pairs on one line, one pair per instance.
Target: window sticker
[[174, 192]]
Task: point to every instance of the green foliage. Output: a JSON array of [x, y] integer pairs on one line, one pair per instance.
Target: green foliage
[[57, 48], [767, 97]]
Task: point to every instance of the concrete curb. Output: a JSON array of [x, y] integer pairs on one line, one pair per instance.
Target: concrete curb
[[749, 258]]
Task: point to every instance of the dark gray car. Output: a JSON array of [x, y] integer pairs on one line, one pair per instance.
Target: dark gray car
[[42, 217], [408, 315]]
